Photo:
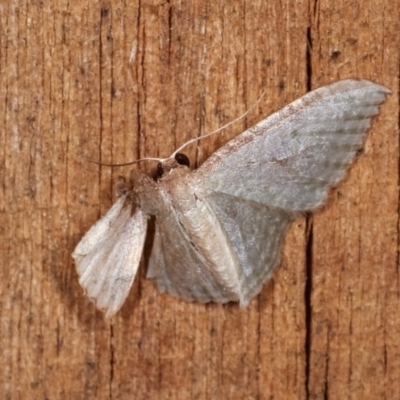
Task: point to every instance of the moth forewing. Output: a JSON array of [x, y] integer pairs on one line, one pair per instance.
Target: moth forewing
[[108, 256], [291, 159], [205, 234], [191, 257]]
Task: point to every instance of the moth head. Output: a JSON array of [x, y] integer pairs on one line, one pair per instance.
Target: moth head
[[179, 160]]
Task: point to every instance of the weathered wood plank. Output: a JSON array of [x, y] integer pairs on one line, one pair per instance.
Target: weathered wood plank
[[114, 81]]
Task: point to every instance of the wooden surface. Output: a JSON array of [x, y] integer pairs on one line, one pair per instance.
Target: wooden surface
[[117, 80]]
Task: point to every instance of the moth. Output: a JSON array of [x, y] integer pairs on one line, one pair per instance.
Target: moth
[[219, 228]]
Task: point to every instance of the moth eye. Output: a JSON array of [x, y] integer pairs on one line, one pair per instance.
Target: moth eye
[[160, 170], [182, 159]]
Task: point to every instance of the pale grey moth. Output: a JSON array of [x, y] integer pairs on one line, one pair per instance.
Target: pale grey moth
[[219, 228]]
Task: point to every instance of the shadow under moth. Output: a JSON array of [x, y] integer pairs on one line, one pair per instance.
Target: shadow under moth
[[219, 228]]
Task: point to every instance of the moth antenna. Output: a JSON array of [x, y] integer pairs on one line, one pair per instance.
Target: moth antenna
[[219, 129], [125, 164]]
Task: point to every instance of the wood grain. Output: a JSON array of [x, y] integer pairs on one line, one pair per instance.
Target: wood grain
[[113, 81]]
